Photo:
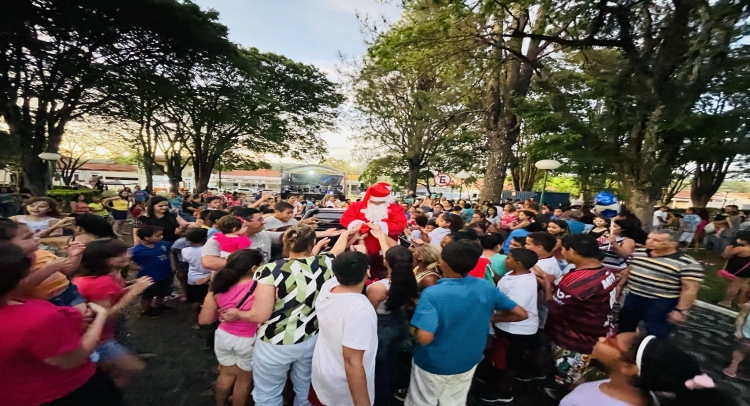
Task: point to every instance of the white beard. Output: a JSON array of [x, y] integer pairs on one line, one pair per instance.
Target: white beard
[[376, 212]]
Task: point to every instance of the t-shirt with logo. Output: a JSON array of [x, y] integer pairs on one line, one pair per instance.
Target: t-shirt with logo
[[154, 262], [140, 195], [580, 310]]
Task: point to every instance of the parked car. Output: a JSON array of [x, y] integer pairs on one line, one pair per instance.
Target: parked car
[[327, 217]]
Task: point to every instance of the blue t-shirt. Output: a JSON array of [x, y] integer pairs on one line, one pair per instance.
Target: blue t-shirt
[[576, 227], [457, 312], [519, 232], [211, 231], [140, 195], [154, 262], [467, 214]]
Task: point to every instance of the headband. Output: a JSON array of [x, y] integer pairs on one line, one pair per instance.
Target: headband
[[641, 349]]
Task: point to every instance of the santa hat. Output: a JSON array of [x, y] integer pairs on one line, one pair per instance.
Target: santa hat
[[379, 192]]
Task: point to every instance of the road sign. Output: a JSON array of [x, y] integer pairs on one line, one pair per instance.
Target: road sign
[[442, 179]]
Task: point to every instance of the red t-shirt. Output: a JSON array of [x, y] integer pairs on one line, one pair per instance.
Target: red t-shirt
[[100, 288], [30, 333], [581, 309], [480, 269]]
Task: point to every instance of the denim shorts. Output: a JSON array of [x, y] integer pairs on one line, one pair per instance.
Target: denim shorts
[[69, 297], [110, 350]]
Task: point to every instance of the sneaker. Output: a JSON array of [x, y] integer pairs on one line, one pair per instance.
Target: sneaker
[[532, 376], [400, 395], [496, 397]]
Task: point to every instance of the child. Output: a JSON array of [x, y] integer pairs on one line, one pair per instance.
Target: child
[[743, 338], [138, 209], [97, 207], [232, 236], [517, 338], [152, 256], [212, 216], [343, 365], [452, 318], [100, 282], [234, 341], [198, 278], [41, 217], [47, 279]]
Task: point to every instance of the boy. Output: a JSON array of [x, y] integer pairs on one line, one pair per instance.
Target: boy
[[153, 259], [343, 365], [519, 338], [198, 278], [415, 232], [452, 318], [214, 203], [283, 216]]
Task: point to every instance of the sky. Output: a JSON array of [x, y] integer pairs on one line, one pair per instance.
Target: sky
[[310, 31]]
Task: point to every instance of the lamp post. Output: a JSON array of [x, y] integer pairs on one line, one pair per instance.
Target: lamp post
[[347, 189], [50, 158], [546, 165], [463, 175]]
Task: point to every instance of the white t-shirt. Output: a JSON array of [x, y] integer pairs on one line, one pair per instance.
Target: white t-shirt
[[521, 289], [587, 394], [344, 319], [437, 235], [271, 223], [196, 271], [550, 266], [659, 215]]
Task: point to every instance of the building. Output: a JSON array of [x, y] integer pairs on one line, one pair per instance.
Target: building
[[682, 200]]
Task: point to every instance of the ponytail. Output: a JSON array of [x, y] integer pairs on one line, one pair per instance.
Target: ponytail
[[239, 264]]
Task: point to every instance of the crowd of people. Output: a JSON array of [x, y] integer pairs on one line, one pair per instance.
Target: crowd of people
[[470, 298]]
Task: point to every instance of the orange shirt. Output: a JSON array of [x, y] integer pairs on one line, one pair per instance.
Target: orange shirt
[[54, 284]]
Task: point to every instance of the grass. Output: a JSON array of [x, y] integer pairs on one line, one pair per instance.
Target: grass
[[713, 288]]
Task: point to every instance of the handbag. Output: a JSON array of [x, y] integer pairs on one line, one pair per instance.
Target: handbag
[[723, 273]]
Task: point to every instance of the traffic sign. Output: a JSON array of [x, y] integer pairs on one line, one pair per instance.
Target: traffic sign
[[442, 179]]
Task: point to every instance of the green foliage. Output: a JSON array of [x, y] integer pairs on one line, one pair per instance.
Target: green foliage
[[66, 195]]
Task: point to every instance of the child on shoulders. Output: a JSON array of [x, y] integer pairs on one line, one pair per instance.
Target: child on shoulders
[[231, 236]]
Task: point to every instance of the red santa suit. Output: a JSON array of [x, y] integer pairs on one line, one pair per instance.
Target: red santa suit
[[392, 223]]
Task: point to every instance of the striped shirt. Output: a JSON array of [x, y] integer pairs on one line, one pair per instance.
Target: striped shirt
[[611, 258], [661, 277]]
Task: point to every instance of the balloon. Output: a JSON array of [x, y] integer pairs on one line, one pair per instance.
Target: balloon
[[606, 204]]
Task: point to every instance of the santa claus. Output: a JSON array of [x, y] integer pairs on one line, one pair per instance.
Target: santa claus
[[376, 207]]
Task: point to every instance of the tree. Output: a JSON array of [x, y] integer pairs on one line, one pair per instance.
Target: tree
[[647, 64], [412, 121], [260, 102], [57, 59]]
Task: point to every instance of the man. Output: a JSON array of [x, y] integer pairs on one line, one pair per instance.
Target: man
[[260, 239], [377, 207], [437, 210], [735, 216], [663, 283], [580, 310], [139, 196], [688, 226], [343, 364], [661, 217], [557, 213]]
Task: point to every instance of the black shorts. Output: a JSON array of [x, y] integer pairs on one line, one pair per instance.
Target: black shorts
[[119, 214], [160, 288], [196, 293], [99, 390], [518, 349]]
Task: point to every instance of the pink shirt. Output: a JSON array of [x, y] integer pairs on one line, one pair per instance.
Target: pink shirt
[[232, 244], [230, 300], [109, 288], [30, 333]]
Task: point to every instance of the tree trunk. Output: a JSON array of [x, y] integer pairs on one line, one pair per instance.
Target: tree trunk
[[642, 204], [148, 169], [707, 180], [202, 168], [414, 177]]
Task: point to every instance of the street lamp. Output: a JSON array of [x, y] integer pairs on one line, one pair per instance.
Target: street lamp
[[50, 158], [546, 165], [463, 175], [347, 187]]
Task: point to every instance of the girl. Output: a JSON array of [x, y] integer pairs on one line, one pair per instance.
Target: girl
[[48, 348], [601, 228], [394, 299], [524, 218], [41, 218], [158, 214], [492, 216], [446, 223], [233, 288], [426, 262], [90, 227], [231, 236], [99, 282], [79, 206], [738, 265], [618, 248], [98, 208], [327, 201], [558, 228], [120, 205]]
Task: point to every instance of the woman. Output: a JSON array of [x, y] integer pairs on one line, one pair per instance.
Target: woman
[[120, 205], [426, 262], [286, 338], [158, 214], [601, 227], [560, 229], [738, 264], [79, 206], [48, 348], [233, 288], [618, 248], [394, 300], [640, 367], [492, 216], [191, 206]]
